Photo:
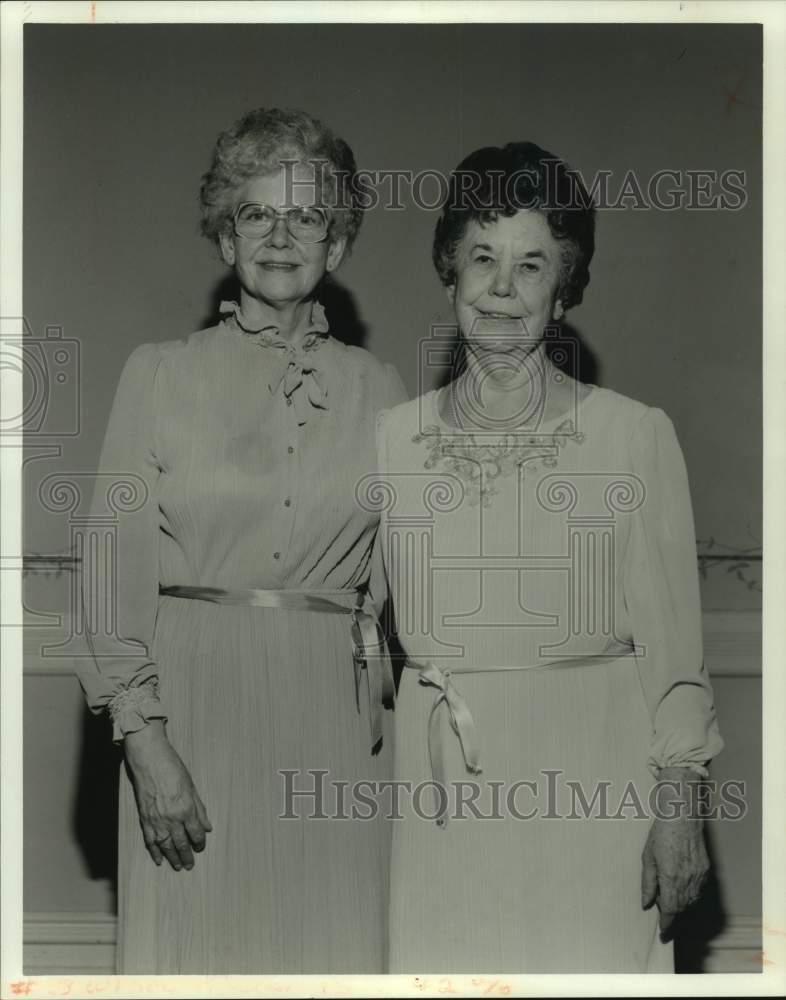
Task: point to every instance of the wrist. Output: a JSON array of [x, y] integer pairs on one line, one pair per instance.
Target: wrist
[[680, 794], [678, 772], [150, 737]]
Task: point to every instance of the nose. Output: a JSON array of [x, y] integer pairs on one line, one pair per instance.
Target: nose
[[502, 284], [279, 234]]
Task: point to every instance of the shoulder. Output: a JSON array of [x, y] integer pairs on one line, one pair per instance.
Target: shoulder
[[406, 419], [192, 345], [146, 358], [144, 367], [645, 433], [381, 375], [613, 405], [636, 417], [359, 359], [152, 353]]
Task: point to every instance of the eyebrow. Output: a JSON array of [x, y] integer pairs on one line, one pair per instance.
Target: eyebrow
[[540, 254]]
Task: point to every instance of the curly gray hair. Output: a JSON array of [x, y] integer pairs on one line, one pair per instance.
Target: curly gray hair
[[257, 144]]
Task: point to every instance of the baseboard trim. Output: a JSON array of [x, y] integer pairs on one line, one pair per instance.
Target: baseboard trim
[[85, 944], [738, 948], [75, 943]]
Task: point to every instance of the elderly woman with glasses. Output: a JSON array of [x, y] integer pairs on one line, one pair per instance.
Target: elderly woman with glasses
[[244, 674], [539, 541]]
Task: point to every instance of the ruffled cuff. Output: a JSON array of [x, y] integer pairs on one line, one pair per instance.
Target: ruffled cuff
[[132, 708]]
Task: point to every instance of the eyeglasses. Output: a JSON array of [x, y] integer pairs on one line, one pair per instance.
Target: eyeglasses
[[308, 225]]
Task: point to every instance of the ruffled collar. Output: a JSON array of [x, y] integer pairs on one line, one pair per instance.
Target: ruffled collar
[[294, 374], [269, 336]]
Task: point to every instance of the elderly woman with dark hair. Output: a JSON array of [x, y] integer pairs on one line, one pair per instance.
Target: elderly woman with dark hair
[[539, 543], [242, 592]]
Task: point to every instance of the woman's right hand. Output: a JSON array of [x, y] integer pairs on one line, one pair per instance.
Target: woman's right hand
[[172, 816]]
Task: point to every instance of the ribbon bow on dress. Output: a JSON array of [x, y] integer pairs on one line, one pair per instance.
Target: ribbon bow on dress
[[300, 378], [462, 724]]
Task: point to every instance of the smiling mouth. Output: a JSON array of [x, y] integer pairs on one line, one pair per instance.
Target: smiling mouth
[[499, 316], [277, 265]]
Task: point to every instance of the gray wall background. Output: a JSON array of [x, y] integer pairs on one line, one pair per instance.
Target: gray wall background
[[120, 123], [119, 126]]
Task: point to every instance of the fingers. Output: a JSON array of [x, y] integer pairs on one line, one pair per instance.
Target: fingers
[[649, 880], [202, 813], [165, 843], [182, 846], [698, 883], [196, 833], [154, 850], [173, 817], [171, 844], [666, 922], [700, 875], [197, 823], [668, 903], [166, 837], [675, 895]]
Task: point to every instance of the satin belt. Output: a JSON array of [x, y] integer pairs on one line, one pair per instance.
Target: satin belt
[[369, 648], [460, 717]]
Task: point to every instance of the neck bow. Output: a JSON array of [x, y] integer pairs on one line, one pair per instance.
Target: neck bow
[[298, 376]]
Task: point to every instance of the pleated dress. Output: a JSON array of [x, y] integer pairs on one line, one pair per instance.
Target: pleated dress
[[246, 454], [545, 585]]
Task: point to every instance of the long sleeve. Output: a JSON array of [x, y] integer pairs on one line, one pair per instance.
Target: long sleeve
[[661, 590], [393, 393], [120, 558]]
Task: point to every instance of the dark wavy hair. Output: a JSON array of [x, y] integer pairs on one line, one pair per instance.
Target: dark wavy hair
[[257, 144], [496, 181]]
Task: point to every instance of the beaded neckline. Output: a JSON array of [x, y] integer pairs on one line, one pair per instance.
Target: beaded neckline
[[480, 458]]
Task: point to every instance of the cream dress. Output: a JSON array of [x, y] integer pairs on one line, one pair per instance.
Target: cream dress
[[522, 571], [246, 454]]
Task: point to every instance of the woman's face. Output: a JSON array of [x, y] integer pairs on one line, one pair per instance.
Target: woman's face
[[507, 273], [277, 268]]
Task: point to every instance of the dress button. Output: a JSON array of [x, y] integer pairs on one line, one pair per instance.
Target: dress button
[[276, 555], [291, 450], [287, 502], [289, 400]]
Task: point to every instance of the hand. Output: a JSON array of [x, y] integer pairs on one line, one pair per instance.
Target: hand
[[675, 864], [172, 816]]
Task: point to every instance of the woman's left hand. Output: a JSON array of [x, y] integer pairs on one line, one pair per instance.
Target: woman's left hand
[[675, 864]]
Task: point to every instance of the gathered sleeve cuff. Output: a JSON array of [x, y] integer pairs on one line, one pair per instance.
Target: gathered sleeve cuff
[[661, 590], [119, 565], [132, 708]]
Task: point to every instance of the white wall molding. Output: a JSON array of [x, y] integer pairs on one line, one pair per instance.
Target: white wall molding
[[75, 943], [732, 643], [84, 944], [737, 948]]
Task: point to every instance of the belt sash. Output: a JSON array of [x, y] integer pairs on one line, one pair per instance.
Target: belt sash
[[460, 718], [369, 649]]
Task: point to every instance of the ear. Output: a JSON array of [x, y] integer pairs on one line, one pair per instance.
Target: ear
[[558, 312], [450, 291], [227, 244], [335, 253]]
